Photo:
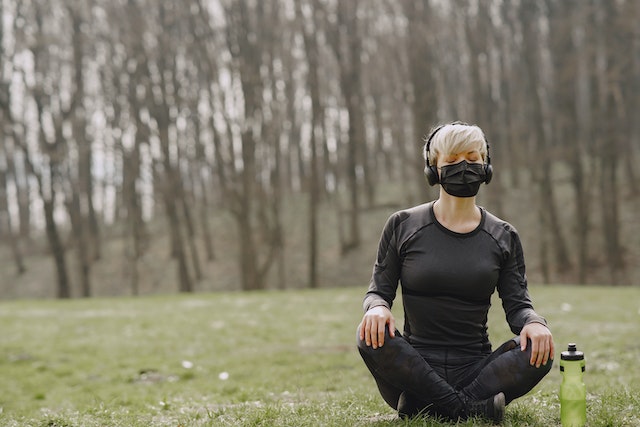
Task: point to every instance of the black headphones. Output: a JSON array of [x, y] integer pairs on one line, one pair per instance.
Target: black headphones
[[431, 172]]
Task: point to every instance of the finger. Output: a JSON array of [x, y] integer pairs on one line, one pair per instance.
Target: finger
[[361, 330], [367, 332], [552, 350], [373, 334], [392, 327], [545, 354], [523, 341], [381, 327], [534, 352], [541, 354]]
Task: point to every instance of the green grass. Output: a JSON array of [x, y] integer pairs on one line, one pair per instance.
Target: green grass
[[289, 356]]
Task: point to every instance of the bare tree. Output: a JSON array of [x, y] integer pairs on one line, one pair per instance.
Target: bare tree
[[163, 93], [575, 99], [79, 200], [50, 172], [6, 224], [420, 34], [548, 212], [7, 157], [346, 45], [610, 110], [309, 31], [243, 37]]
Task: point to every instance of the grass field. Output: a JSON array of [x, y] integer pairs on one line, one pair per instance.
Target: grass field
[[270, 359]]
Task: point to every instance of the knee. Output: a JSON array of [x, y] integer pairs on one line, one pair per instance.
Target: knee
[[537, 373], [546, 368], [541, 370], [362, 343]]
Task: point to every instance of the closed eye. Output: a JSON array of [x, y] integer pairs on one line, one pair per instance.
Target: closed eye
[[471, 157]]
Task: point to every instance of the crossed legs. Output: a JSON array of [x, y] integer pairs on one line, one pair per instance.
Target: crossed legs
[[410, 384]]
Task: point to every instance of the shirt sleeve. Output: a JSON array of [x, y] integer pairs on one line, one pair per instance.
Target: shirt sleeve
[[512, 286], [386, 270]]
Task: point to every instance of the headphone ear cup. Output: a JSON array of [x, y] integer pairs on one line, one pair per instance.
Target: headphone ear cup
[[431, 173], [488, 171]]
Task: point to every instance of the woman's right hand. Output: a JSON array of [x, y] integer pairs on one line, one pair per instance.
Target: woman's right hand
[[373, 324]]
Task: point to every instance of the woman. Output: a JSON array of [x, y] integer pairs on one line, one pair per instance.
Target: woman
[[450, 255]]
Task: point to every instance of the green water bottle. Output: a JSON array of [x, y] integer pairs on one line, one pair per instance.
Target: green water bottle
[[573, 393]]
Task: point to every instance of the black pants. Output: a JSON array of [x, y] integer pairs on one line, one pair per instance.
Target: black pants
[[435, 377]]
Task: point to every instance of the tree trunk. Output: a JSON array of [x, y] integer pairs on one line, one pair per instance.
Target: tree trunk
[[52, 155], [346, 48], [7, 162], [138, 235], [87, 211], [171, 197], [583, 114], [80, 239], [243, 36], [607, 137], [248, 267], [271, 189], [571, 94], [309, 25], [629, 16], [58, 251], [6, 226], [542, 171], [204, 185], [191, 236], [138, 77], [478, 38], [131, 174], [172, 186], [420, 43]]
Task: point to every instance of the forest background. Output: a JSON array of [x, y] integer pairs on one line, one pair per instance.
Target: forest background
[[194, 145]]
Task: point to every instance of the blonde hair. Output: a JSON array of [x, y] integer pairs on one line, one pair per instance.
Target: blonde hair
[[454, 138]]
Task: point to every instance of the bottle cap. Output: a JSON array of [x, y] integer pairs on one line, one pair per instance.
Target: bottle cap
[[572, 353]]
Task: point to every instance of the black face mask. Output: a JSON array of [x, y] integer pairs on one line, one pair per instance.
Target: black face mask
[[462, 179]]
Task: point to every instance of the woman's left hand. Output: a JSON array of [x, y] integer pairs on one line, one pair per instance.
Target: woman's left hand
[[541, 343]]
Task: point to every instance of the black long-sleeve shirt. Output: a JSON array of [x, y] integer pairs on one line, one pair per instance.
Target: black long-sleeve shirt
[[447, 278]]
